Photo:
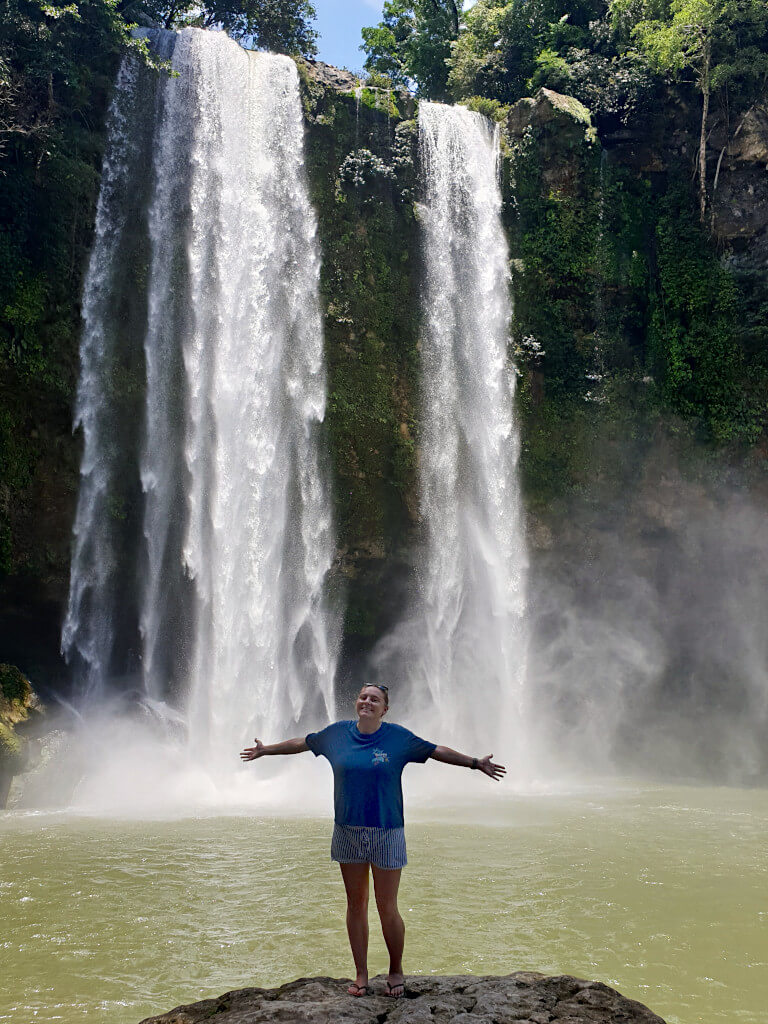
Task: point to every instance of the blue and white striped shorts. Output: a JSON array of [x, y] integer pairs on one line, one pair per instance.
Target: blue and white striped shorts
[[361, 844]]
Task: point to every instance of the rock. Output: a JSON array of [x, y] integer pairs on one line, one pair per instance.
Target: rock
[[564, 137], [740, 198], [49, 774], [329, 76], [548, 107], [750, 140], [522, 998], [20, 711]]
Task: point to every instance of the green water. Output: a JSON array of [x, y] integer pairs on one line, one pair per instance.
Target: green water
[[661, 893]]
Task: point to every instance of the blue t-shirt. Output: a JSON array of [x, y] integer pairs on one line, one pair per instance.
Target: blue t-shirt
[[367, 770]]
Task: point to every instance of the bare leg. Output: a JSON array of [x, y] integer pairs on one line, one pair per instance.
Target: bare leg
[[356, 883], [386, 884]]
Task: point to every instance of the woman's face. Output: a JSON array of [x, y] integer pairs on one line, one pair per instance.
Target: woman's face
[[370, 704]]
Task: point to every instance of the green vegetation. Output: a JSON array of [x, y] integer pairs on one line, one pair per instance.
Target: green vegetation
[[694, 345], [57, 64], [14, 686], [623, 310], [608, 53], [553, 235], [718, 41], [16, 703], [361, 165], [612, 275], [413, 43], [625, 307], [283, 26]]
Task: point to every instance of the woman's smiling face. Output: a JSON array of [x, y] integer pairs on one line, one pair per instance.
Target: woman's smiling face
[[370, 704]]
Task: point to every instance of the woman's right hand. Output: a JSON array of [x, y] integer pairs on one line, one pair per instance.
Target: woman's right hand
[[251, 753]]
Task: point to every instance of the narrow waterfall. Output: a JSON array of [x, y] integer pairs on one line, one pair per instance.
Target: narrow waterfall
[[99, 584], [208, 587], [472, 641]]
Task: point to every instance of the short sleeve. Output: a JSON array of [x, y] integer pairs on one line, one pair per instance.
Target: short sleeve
[[418, 749], [319, 742]]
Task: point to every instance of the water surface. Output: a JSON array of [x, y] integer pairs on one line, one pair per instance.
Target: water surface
[[661, 893]]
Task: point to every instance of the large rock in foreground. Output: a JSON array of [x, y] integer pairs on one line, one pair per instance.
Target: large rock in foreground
[[521, 998]]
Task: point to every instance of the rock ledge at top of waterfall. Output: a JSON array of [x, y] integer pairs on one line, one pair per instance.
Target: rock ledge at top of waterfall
[[523, 997]]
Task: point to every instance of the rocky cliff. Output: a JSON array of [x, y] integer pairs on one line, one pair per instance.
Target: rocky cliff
[[639, 335]]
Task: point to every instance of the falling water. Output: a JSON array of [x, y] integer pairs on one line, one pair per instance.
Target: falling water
[[90, 626], [233, 537], [472, 644]]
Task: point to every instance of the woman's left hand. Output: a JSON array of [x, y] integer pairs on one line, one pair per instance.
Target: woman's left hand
[[493, 771]]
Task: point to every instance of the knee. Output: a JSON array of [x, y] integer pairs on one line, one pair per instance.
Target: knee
[[387, 909], [357, 903]]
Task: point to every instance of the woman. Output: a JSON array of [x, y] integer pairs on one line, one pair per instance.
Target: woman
[[368, 757]]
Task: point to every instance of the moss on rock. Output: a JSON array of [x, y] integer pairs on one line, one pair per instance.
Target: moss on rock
[[18, 702], [14, 686]]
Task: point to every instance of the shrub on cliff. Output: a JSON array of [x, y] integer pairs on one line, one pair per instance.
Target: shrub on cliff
[[14, 686]]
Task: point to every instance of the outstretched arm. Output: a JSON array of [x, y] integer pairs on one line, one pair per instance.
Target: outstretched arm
[[297, 746], [483, 764]]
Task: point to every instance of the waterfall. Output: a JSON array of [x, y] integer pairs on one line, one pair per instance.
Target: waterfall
[[90, 630], [471, 639], [230, 532]]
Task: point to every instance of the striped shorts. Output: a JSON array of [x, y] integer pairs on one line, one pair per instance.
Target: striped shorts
[[361, 844]]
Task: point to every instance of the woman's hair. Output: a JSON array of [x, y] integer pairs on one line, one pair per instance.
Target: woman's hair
[[378, 686]]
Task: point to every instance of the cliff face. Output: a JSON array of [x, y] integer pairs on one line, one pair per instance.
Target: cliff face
[[646, 534], [362, 163], [523, 997], [637, 332]]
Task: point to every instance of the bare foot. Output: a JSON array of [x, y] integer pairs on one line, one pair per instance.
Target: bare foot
[[359, 986], [395, 986]]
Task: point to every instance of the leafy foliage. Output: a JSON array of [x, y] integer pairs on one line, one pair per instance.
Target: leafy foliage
[[717, 40], [413, 43], [693, 342], [610, 55], [675, 36], [283, 26]]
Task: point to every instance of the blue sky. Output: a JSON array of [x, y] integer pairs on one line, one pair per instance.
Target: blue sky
[[339, 23]]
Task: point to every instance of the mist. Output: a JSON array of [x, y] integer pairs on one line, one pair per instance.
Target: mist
[[649, 648]]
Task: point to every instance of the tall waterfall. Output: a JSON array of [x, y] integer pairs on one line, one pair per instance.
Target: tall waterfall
[[471, 639], [203, 579]]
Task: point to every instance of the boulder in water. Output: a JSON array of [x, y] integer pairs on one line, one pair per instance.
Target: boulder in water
[[523, 998]]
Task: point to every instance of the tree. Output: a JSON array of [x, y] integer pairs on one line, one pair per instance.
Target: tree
[[504, 42], [282, 26], [718, 40], [413, 42]]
